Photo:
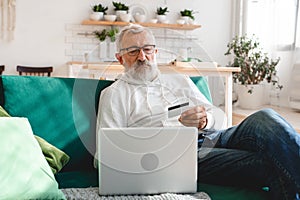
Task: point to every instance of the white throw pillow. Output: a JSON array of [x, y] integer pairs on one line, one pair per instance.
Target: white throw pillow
[[25, 173]]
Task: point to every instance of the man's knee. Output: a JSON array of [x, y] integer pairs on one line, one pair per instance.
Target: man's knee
[[265, 114]]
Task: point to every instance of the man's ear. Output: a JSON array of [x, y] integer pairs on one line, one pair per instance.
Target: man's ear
[[119, 58]]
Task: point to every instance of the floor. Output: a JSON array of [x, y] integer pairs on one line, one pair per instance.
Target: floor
[[292, 116]]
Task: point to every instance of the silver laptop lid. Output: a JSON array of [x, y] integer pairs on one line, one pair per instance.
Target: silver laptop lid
[[147, 160]]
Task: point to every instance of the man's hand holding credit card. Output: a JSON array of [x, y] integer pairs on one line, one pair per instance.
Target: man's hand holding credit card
[[176, 110], [189, 116]]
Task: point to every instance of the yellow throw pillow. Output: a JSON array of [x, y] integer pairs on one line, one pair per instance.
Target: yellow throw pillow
[[3, 113]]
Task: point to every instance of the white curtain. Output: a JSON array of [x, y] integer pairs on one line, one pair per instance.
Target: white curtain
[[273, 21]]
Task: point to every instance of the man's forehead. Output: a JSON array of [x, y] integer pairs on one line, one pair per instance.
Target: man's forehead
[[137, 39]]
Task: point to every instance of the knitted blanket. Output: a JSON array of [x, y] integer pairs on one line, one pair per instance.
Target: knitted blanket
[[92, 193]]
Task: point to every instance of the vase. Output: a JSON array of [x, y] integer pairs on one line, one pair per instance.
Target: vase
[[186, 19], [139, 18], [120, 12], [112, 51], [250, 101], [103, 50], [125, 17], [96, 16], [161, 18]]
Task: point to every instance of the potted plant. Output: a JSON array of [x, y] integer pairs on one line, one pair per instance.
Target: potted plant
[[120, 9], [98, 12], [161, 14], [120, 6], [188, 16], [101, 35], [108, 48], [256, 67]]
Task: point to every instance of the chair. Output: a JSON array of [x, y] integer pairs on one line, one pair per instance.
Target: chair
[[2, 67], [34, 71]]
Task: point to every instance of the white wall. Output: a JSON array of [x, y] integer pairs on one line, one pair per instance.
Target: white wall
[[39, 38]]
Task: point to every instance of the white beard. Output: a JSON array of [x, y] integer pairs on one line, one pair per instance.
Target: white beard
[[142, 70]]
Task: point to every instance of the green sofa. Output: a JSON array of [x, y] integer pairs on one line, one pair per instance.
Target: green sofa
[[63, 111]]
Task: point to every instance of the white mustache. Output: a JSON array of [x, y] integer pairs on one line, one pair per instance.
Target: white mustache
[[140, 63]]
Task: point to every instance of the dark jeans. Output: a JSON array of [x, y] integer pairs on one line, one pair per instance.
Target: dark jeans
[[261, 151]]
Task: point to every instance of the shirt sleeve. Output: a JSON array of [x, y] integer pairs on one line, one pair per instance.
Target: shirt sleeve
[[111, 111]]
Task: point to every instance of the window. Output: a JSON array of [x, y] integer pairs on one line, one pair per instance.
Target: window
[[273, 21]]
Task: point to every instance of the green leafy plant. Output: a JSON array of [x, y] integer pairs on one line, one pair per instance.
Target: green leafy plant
[[101, 35], [112, 34], [120, 6], [255, 65], [99, 8], [188, 13], [161, 10]]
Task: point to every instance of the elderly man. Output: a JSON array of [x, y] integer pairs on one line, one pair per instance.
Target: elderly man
[[262, 151]]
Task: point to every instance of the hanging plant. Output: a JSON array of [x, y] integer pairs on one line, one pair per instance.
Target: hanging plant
[[112, 34], [101, 35]]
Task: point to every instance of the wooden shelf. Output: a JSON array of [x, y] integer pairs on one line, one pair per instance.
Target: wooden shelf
[[156, 25]]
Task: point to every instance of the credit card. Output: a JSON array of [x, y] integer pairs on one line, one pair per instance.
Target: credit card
[[176, 110]]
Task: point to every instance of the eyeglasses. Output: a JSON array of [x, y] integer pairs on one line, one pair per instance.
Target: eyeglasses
[[134, 50]]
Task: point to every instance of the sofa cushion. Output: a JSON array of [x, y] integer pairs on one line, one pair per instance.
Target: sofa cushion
[[24, 172], [202, 85]]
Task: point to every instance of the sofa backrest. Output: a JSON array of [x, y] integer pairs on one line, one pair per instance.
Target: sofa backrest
[[62, 111]]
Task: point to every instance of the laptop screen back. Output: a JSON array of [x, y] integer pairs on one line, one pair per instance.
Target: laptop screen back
[[147, 160]]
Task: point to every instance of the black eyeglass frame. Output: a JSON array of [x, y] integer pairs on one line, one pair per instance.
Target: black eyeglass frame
[[135, 50]]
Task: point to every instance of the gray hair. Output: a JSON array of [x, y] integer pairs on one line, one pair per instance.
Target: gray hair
[[134, 29]]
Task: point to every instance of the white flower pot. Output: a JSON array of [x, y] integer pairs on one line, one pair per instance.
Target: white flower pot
[[96, 16], [186, 19], [161, 18], [250, 101], [103, 50], [119, 13], [107, 50], [140, 18], [125, 17], [112, 51]]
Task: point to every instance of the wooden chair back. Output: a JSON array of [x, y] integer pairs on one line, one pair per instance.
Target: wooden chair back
[[2, 67], [34, 71]]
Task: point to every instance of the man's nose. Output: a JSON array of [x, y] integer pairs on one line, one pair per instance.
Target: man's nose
[[142, 55]]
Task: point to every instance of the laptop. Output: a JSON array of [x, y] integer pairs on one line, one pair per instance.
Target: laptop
[[147, 160]]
